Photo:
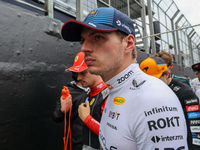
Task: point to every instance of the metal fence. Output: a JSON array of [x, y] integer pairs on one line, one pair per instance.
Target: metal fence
[[158, 24]]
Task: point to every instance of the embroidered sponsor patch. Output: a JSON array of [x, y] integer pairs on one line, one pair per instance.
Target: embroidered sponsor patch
[[105, 93], [196, 141], [192, 108], [191, 101], [194, 122], [196, 135], [193, 115], [126, 76], [195, 129], [93, 13], [118, 100], [161, 138], [162, 123], [92, 101]]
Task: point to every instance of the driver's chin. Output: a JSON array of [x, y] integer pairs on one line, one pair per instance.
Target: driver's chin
[[94, 70]]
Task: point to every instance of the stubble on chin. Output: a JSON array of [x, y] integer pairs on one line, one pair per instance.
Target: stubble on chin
[[94, 70]]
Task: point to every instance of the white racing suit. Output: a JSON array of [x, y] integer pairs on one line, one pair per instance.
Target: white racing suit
[[141, 113]]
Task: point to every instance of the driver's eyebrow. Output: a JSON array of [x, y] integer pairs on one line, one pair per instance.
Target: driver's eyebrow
[[92, 33]]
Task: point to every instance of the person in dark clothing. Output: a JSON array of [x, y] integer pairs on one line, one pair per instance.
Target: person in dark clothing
[[188, 99], [91, 112], [182, 59], [91, 109], [191, 108], [184, 80], [79, 94]]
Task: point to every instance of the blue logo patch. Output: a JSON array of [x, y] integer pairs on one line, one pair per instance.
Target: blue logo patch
[[193, 115], [196, 135]]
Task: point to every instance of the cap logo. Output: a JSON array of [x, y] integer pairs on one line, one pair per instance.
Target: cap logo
[[93, 13], [76, 59], [118, 22], [92, 24], [126, 27], [146, 68], [76, 68]]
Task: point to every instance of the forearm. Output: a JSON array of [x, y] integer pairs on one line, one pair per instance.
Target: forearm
[[92, 124]]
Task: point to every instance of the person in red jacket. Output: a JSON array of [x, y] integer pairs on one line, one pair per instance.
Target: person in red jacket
[[91, 110]]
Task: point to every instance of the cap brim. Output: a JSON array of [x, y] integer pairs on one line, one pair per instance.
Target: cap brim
[[71, 30], [76, 69], [196, 67]]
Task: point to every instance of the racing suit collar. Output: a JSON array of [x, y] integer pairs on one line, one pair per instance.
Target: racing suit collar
[[122, 77]]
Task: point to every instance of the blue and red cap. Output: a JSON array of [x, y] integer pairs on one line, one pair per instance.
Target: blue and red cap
[[103, 19]]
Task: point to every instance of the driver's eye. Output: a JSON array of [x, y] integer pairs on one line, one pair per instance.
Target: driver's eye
[[98, 37]]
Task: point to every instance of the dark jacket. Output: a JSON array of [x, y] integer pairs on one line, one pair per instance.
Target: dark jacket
[[190, 105], [78, 96]]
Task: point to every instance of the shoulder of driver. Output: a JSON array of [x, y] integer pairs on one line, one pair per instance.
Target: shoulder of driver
[[161, 116]]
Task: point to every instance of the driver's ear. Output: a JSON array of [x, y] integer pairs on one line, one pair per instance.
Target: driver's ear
[[130, 43], [171, 66], [168, 74]]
